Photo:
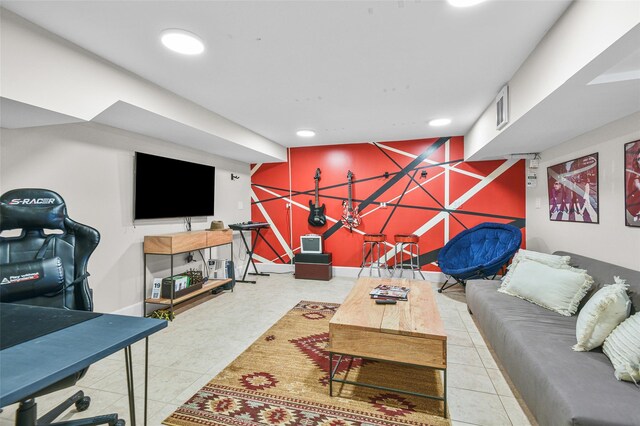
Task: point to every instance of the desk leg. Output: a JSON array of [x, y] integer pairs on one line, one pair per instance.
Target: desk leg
[[146, 377], [129, 367]]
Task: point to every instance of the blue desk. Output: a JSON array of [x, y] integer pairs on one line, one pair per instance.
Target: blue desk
[[33, 365]]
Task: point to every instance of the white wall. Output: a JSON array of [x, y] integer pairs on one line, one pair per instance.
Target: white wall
[[91, 167], [610, 240]]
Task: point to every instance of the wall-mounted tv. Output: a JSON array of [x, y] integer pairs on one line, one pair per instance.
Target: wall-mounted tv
[[165, 187]]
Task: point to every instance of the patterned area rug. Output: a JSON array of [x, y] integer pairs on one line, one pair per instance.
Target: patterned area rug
[[282, 379]]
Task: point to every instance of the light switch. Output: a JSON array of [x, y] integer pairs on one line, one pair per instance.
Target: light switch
[[537, 202], [240, 205]]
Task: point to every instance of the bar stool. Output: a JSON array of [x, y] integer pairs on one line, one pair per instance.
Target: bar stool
[[373, 242], [410, 242]]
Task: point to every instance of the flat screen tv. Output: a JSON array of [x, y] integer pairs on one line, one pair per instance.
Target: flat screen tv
[[166, 188]]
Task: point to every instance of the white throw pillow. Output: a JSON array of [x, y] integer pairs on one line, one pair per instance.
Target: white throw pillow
[[548, 259], [607, 308], [559, 289], [622, 347]]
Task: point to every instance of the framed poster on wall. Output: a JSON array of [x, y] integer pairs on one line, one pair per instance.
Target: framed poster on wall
[[573, 190], [632, 183]]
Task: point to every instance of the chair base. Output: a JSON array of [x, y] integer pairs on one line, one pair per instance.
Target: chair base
[[27, 414], [463, 283]]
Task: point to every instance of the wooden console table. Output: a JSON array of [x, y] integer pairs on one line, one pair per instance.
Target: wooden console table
[[184, 242]]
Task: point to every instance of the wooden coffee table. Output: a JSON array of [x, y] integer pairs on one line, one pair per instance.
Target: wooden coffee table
[[409, 332]]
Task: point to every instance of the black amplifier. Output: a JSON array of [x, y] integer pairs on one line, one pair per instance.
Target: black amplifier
[[312, 258]]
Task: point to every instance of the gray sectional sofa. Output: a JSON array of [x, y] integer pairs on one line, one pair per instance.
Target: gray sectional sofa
[[533, 344]]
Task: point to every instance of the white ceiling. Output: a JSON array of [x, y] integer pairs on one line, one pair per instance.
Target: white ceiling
[[354, 71]]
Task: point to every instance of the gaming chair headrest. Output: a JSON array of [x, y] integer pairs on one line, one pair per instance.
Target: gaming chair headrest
[[32, 208]]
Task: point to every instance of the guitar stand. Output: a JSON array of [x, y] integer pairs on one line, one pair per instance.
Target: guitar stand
[[251, 251]]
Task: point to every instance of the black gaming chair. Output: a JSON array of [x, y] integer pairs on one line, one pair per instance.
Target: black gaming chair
[[58, 248]]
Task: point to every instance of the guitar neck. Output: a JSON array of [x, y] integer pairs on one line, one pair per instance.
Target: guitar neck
[[350, 205], [317, 194]]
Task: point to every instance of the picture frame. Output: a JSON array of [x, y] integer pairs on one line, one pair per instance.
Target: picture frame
[[632, 184], [573, 190], [155, 290]]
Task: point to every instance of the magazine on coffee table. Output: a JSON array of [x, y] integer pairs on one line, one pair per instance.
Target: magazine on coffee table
[[394, 292]]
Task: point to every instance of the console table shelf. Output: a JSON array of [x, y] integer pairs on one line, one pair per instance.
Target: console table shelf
[[207, 286], [184, 242]]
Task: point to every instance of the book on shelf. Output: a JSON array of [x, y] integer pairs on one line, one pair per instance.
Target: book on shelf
[[384, 291]]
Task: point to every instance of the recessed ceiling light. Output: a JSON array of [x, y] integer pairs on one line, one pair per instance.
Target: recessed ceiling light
[[182, 41], [440, 122], [306, 133], [464, 3]]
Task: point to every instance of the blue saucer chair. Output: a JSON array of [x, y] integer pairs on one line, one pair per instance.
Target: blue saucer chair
[[478, 252]]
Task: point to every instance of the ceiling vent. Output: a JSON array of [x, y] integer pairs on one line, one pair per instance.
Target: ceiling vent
[[502, 108]]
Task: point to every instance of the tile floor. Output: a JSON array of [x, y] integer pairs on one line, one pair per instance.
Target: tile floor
[[201, 341]]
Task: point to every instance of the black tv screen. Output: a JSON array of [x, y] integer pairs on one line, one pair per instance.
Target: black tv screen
[[165, 187]]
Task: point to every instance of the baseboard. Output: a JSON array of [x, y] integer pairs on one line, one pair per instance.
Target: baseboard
[[134, 310], [276, 268], [345, 271]]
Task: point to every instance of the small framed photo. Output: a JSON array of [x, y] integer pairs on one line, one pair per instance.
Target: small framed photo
[[573, 190], [632, 183], [155, 290]]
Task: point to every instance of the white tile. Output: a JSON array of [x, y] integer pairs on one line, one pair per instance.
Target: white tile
[[487, 358], [164, 412], [121, 407], [100, 370], [499, 382], [192, 389], [514, 411], [168, 386], [466, 355], [453, 321], [9, 413], [459, 338], [477, 408], [478, 340], [469, 377]]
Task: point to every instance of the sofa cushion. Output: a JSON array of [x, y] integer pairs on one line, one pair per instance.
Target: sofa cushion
[[559, 289], [601, 314], [602, 274], [622, 347], [560, 386], [548, 259]]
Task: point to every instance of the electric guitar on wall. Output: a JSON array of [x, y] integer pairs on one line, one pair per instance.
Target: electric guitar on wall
[[316, 212], [350, 217]]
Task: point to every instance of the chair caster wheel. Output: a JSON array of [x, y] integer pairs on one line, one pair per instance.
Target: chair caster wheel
[[120, 422], [83, 403], [439, 290]]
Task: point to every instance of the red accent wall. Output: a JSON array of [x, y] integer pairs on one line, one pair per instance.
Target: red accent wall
[[413, 206]]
